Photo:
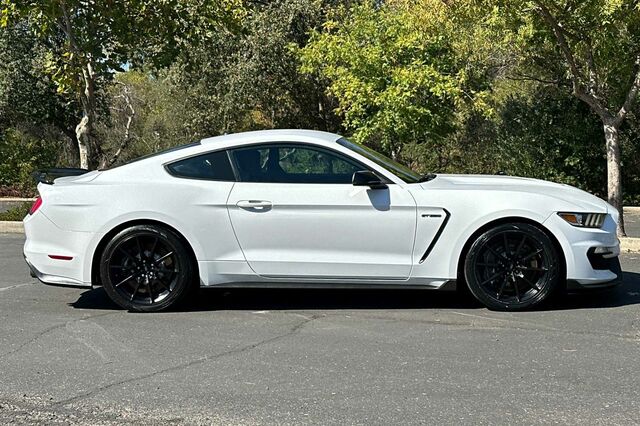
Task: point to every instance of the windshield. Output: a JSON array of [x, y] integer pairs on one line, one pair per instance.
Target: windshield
[[403, 172]]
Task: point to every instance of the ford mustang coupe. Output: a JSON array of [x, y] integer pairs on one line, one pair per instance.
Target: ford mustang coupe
[[298, 208]]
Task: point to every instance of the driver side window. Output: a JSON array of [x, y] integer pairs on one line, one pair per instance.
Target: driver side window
[[290, 163]]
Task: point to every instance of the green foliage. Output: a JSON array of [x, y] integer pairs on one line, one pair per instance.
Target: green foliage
[[16, 213], [395, 78], [100, 33], [603, 36], [88, 42], [630, 134], [466, 86], [552, 136], [158, 110], [28, 96], [21, 155], [251, 80]]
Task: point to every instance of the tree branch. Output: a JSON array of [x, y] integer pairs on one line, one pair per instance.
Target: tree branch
[[632, 94], [67, 28], [576, 76], [127, 130], [593, 75], [522, 77]]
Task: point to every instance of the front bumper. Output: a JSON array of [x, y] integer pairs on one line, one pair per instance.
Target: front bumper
[[585, 267], [611, 265]]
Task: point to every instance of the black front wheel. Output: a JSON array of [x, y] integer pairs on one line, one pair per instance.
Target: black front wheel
[[146, 268], [512, 267]]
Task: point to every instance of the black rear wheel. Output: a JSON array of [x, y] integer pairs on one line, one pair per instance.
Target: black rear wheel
[[146, 268], [512, 267]]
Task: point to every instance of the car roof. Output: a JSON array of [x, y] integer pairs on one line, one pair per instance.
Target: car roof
[[279, 135], [232, 141]]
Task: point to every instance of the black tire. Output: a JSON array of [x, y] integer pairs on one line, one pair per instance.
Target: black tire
[[147, 268], [513, 267]]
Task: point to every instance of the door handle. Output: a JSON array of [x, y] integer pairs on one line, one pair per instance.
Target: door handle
[[254, 204]]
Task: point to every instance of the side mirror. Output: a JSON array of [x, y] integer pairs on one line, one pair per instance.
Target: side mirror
[[367, 178]]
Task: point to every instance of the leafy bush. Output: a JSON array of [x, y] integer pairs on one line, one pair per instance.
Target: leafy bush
[[16, 213], [20, 156]]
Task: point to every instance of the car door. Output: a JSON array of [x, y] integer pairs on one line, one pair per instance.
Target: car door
[[296, 214]]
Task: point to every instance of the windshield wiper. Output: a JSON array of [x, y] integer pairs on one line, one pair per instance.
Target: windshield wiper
[[427, 177]]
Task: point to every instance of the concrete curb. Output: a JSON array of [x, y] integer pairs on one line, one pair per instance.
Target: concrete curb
[[16, 200], [630, 245], [9, 227]]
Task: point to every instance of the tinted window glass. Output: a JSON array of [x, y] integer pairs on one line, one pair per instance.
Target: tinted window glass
[[403, 172], [210, 166], [293, 164], [165, 151]]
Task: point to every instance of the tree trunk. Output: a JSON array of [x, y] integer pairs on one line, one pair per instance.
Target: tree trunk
[[614, 176], [73, 152], [83, 136], [126, 95], [84, 129]]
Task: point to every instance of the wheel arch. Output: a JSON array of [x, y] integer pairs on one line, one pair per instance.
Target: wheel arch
[[501, 221], [95, 258]]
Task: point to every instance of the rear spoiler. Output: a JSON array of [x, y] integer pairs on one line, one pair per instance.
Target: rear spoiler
[[49, 175]]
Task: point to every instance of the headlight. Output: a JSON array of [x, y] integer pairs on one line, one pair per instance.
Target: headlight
[[584, 220]]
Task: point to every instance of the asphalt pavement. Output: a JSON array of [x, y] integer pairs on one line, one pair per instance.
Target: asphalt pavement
[[70, 356]]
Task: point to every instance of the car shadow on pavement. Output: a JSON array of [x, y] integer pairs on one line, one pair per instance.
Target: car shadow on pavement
[[628, 293]]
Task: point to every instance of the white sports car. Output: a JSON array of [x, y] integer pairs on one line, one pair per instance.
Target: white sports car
[[297, 208]]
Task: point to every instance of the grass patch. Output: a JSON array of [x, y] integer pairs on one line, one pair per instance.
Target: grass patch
[[16, 213]]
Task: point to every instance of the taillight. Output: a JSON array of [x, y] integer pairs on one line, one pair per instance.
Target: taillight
[[36, 205]]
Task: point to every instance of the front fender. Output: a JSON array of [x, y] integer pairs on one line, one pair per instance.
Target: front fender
[[483, 221], [443, 261]]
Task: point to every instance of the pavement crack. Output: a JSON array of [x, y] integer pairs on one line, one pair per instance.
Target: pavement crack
[[48, 330], [292, 330], [15, 286]]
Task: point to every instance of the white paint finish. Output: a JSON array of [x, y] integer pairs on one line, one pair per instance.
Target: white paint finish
[[576, 242], [485, 185], [303, 233], [325, 230], [44, 238]]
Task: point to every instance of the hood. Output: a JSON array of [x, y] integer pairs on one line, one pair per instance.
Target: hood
[[583, 201]]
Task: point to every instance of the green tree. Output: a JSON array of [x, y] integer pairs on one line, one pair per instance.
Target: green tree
[[91, 40], [28, 98], [22, 153], [251, 79], [589, 48], [394, 72], [547, 134], [147, 113]]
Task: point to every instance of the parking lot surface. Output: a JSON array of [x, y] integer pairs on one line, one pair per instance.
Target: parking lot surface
[[70, 356]]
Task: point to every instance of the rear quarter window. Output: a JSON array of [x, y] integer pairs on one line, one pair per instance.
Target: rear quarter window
[[209, 166]]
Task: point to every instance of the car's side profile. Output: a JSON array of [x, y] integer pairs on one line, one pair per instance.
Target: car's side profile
[[311, 209]]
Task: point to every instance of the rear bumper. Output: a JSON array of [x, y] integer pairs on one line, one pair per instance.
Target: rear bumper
[[56, 256], [53, 279]]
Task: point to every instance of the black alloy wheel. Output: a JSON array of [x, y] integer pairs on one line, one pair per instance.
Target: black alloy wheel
[[512, 267], [146, 268]]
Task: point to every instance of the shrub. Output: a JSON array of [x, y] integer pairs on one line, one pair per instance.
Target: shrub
[[16, 213], [20, 156]]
